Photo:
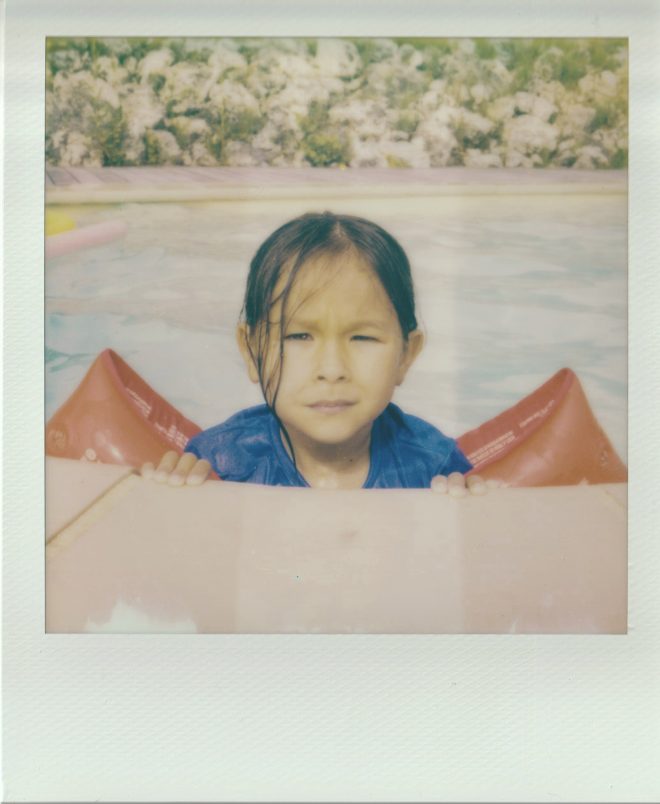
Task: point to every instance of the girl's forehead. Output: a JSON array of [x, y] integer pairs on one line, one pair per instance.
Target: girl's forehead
[[346, 286], [327, 271]]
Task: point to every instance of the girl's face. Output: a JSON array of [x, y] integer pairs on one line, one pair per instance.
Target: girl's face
[[344, 353]]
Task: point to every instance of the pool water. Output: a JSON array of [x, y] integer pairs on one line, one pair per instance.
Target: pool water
[[510, 288]]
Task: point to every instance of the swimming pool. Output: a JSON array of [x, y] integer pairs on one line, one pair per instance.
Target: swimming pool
[[510, 288]]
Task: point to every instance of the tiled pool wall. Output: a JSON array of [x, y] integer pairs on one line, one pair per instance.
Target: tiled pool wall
[[510, 288]]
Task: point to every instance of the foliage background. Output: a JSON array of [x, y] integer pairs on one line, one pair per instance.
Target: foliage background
[[345, 103]]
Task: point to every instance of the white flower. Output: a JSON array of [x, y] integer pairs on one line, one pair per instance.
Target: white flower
[[225, 56], [76, 152], [296, 97], [598, 86], [384, 49], [461, 93], [413, 152], [156, 61], [191, 125], [439, 139], [240, 154], [82, 85], [409, 55], [142, 110], [108, 94], [502, 108], [547, 63], [186, 86], [552, 91], [337, 57], [515, 159], [388, 152], [590, 156], [610, 140], [168, 144], [366, 153], [609, 84], [575, 118], [473, 123], [543, 108], [527, 134], [199, 155], [295, 159], [524, 102], [283, 118], [232, 94], [109, 69], [442, 116], [366, 117], [58, 138], [434, 96], [495, 73], [475, 158], [480, 92], [269, 138], [566, 147], [279, 64]]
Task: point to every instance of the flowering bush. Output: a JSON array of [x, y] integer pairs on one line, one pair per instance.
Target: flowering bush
[[342, 102]]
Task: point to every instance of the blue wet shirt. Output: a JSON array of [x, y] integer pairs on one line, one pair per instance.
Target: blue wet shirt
[[406, 452]]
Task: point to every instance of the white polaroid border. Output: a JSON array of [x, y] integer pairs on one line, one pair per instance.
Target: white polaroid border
[[320, 718]]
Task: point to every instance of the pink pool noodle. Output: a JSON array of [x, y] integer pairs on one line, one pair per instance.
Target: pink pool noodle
[[85, 237]]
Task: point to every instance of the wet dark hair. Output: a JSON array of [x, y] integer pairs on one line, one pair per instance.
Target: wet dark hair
[[290, 248]]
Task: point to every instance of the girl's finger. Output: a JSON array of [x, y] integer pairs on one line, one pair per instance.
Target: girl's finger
[[198, 473], [166, 465], [456, 484], [476, 485], [147, 471], [496, 483], [439, 484], [180, 471]]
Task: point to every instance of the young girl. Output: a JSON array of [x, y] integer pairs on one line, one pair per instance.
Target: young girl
[[328, 330]]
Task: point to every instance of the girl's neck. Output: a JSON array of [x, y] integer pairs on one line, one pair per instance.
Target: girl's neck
[[328, 466]]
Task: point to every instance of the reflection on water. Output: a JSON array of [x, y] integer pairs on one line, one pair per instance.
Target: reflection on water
[[510, 289]]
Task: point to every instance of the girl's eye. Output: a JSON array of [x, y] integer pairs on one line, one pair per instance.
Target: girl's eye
[[298, 336], [363, 338]]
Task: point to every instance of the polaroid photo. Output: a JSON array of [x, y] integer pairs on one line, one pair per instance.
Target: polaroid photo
[[349, 224], [331, 333]]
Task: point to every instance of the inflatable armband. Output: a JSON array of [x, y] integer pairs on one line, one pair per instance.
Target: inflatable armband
[[549, 438], [114, 416]]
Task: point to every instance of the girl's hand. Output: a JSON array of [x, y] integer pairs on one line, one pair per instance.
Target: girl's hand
[[458, 485], [178, 470]]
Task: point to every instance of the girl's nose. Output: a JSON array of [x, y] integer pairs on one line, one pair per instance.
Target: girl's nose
[[331, 365]]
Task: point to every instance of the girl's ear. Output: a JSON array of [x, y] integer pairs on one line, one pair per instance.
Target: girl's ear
[[411, 348], [243, 340]]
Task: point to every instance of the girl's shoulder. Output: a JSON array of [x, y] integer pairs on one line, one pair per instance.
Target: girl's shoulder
[[416, 442], [411, 429], [236, 446], [247, 420]]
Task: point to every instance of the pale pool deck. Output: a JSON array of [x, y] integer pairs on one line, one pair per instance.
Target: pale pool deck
[[102, 185], [126, 554]]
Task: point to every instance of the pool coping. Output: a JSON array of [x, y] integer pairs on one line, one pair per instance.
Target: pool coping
[[103, 185]]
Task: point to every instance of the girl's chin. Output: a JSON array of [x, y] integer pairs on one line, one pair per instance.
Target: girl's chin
[[331, 437]]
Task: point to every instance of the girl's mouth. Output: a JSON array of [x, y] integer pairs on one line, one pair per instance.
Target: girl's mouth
[[331, 405]]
